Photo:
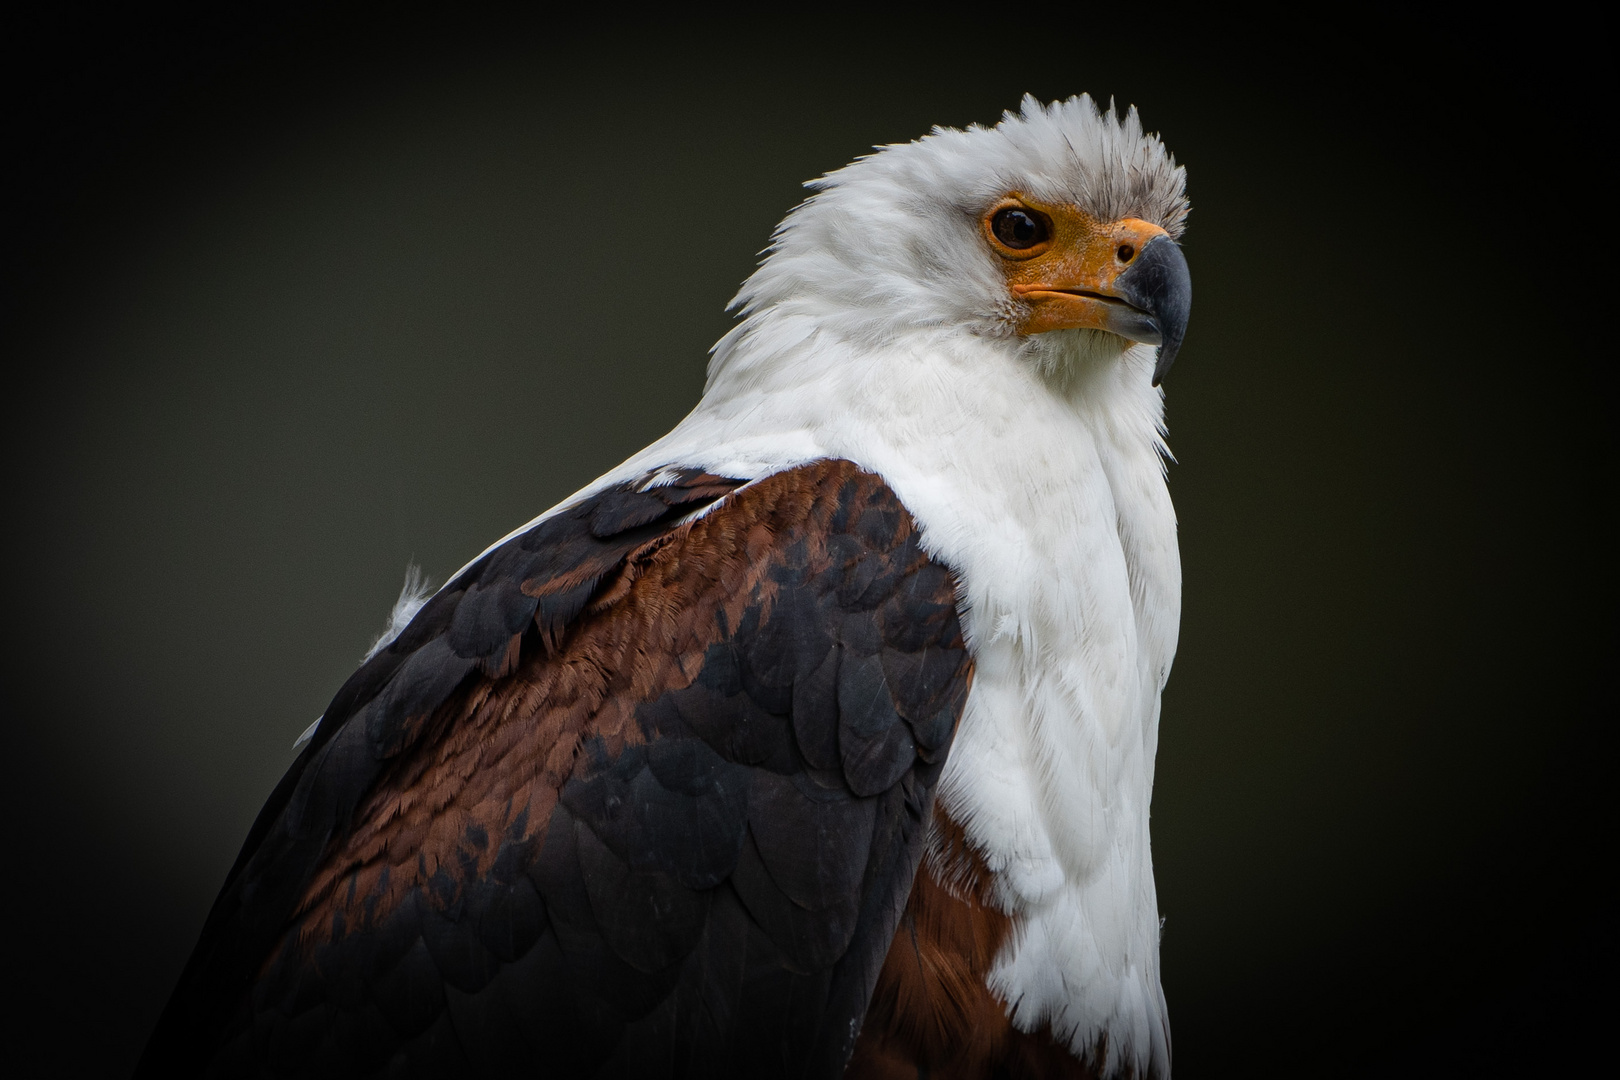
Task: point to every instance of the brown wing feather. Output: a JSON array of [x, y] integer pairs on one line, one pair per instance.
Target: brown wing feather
[[645, 799], [502, 750]]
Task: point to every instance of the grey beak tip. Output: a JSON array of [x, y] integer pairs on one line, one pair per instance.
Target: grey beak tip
[[1160, 284]]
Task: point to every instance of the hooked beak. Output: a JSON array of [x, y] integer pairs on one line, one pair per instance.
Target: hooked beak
[[1128, 278]]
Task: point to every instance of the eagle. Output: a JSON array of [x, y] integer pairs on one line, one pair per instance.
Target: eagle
[[817, 738]]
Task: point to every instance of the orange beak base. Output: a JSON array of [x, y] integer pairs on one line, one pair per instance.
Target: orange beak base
[[1126, 277]]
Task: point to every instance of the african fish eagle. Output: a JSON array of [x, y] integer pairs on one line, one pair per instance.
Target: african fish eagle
[[817, 738]]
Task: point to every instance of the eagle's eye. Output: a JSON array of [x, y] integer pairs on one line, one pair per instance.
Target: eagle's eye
[[1017, 228]]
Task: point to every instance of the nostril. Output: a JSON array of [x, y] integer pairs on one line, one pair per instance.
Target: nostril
[[1126, 253]]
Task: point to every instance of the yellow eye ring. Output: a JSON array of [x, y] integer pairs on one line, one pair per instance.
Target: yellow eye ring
[[1019, 228]]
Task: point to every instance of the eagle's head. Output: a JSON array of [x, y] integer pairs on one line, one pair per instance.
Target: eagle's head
[[1055, 230]]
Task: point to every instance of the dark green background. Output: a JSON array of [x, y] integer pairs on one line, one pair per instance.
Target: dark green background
[[294, 299]]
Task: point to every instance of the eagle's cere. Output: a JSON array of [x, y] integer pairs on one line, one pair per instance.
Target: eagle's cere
[[815, 740]]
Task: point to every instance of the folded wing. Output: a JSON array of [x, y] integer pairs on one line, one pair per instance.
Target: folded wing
[[641, 793]]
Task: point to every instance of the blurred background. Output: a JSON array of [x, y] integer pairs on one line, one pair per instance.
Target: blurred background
[[298, 295]]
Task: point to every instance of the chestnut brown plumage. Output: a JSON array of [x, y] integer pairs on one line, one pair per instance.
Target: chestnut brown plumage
[[638, 794], [933, 1013]]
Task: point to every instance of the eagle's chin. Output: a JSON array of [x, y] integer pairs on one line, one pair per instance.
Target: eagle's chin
[[1065, 356]]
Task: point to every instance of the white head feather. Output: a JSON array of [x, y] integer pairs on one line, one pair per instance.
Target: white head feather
[[892, 243]]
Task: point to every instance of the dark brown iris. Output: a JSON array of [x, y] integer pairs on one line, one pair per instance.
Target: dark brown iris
[[1018, 228]]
